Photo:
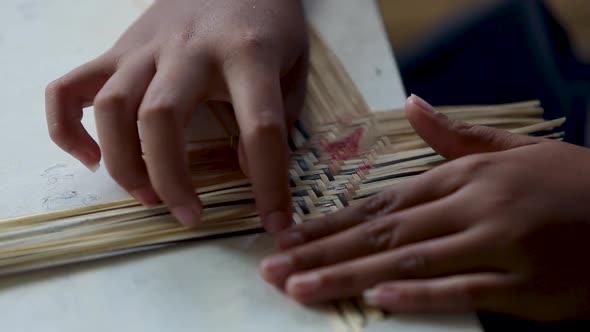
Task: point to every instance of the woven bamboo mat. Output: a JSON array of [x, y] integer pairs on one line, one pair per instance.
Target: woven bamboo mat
[[342, 154]]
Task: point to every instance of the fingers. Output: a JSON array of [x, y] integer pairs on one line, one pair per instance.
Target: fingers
[[171, 97], [294, 86], [64, 100], [432, 185], [431, 220], [242, 159], [330, 224], [459, 253], [256, 95], [454, 139], [460, 293], [116, 121]]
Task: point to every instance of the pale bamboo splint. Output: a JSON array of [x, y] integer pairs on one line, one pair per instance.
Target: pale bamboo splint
[[342, 154]]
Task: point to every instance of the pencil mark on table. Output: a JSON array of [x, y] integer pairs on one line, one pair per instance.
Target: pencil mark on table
[[59, 188], [54, 167], [90, 199], [55, 174], [64, 196]]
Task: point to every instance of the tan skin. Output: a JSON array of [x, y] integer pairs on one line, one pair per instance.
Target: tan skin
[[503, 227], [178, 54]]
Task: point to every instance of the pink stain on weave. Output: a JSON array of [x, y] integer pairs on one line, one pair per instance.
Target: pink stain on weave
[[363, 168], [346, 148]]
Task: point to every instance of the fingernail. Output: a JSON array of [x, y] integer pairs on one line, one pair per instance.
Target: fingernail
[[88, 159], [146, 196], [187, 215], [275, 269], [422, 104], [93, 168], [304, 284], [370, 297], [277, 221], [290, 239]]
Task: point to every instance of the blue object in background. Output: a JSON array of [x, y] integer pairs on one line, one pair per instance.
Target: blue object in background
[[506, 52]]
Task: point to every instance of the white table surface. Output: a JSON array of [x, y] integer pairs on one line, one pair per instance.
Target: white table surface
[[206, 286]]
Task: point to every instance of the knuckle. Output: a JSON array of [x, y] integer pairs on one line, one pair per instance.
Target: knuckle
[[251, 41], [504, 195], [156, 109], [250, 44], [380, 205], [454, 180], [484, 135], [464, 129], [468, 132], [110, 101], [501, 199], [266, 124], [188, 35], [492, 137], [184, 42], [413, 265], [381, 235], [57, 89]]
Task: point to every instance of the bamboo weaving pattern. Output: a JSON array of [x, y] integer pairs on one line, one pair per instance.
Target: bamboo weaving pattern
[[342, 154]]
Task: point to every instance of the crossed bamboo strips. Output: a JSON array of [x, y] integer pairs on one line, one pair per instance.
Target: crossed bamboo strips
[[335, 167], [342, 154]]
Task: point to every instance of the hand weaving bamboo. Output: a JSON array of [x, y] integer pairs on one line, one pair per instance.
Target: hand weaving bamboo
[[342, 154]]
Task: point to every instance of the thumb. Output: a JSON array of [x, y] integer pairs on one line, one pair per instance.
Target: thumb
[[453, 138]]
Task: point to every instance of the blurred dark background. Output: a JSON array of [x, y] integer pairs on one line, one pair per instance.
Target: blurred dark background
[[497, 51]]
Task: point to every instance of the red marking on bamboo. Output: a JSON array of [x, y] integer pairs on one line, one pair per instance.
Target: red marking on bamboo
[[363, 168], [346, 148]]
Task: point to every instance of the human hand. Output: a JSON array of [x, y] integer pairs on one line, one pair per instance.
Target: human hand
[[178, 54], [505, 227]]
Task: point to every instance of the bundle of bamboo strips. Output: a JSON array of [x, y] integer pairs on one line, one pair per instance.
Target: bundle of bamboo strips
[[342, 154]]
